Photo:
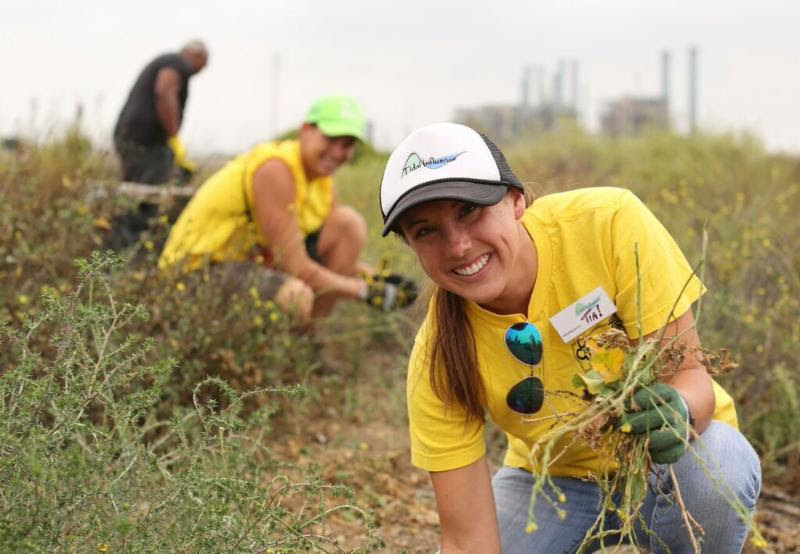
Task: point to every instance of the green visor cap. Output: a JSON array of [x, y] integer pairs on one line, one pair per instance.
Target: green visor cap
[[337, 116]]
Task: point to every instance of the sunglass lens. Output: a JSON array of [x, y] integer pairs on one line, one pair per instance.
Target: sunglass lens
[[526, 396], [524, 341]]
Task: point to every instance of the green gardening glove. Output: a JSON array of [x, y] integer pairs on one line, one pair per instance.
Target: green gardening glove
[[659, 411], [389, 292]]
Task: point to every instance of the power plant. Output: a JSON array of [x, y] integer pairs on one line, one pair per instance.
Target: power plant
[[553, 104], [545, 103], [633, 115]]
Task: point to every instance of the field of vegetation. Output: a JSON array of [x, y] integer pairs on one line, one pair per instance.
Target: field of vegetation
[[139, 414]]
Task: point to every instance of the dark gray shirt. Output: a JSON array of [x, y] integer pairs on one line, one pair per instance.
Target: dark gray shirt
[[138, 121]]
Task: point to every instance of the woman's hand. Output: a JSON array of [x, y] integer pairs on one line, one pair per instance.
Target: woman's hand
[[659, 411], [664, 409]]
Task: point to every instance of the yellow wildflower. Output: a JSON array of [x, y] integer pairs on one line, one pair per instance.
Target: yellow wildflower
[[608, 363], [758, 541], [101, 223]]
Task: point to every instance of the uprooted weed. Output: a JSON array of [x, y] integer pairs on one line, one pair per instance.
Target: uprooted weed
[[617, 368]]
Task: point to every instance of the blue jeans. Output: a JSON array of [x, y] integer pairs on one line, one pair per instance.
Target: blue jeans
[[723, 450]]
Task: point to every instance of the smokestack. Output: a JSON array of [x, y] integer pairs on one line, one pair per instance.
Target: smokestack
[[574, 82], [273, 95], [525, 101], [692, 89], [369, 130], [558, 87], [665, 80], [540, 86]]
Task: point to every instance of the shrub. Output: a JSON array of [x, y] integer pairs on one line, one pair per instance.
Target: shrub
[[88, 463]]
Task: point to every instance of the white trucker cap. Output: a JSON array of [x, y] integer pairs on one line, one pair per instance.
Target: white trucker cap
[[443, 161]]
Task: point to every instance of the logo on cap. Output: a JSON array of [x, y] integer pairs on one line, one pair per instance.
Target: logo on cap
[[414, 162]]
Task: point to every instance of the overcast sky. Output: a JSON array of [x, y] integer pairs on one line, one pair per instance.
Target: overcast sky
[[408, 62]]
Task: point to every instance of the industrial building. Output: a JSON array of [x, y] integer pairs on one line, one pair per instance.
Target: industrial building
[[505, 122], [627, 115]]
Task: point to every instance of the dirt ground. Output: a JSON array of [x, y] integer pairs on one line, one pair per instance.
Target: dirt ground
[[359, 437], [376, 464]]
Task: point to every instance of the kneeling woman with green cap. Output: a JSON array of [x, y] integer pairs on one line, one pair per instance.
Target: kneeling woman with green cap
[[522, 287], [269, 220]]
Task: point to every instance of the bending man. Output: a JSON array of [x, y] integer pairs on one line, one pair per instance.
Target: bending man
[[146, 133], [269, 219]]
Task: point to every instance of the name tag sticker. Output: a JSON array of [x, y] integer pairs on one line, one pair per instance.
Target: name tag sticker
[[583, 314]]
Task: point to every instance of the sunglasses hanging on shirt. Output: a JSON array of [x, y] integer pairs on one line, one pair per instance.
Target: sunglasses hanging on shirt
[[524, 342]]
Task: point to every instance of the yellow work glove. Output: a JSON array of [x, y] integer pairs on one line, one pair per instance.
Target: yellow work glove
[[179, 152]]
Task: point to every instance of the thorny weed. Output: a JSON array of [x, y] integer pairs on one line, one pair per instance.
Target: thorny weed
[[87, 460]]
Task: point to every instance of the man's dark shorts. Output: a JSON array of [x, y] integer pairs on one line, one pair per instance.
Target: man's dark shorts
[[238, 277], [230, 278], [151, 165], [312, 247]]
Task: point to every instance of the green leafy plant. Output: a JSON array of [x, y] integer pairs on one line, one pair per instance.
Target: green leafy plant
[[88, 464]]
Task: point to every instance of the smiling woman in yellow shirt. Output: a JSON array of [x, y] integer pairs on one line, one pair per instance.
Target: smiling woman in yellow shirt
[[584, 236], [520, 288]]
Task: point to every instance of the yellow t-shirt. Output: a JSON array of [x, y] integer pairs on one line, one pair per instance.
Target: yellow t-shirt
[[218, 223], [584, 239]]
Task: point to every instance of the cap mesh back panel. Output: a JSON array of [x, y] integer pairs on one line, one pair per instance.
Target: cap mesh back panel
[[506, 175]]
